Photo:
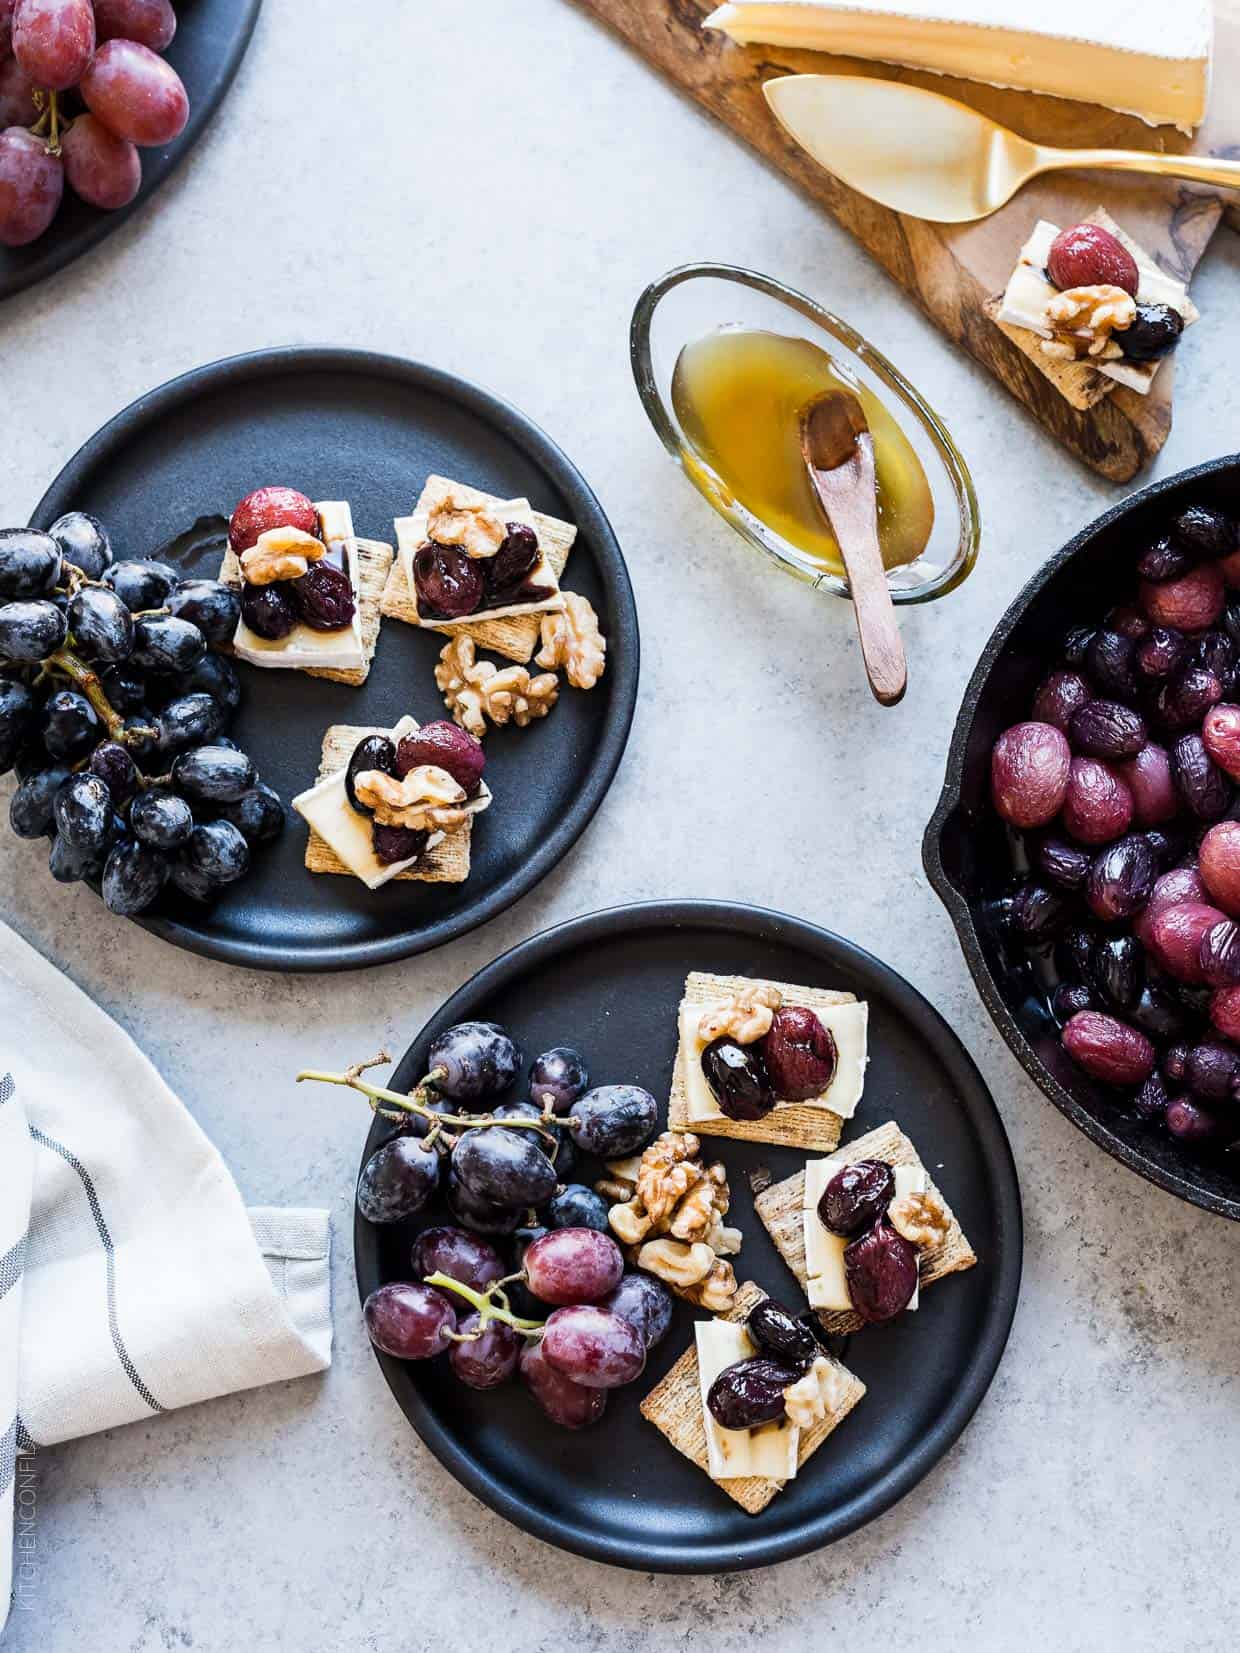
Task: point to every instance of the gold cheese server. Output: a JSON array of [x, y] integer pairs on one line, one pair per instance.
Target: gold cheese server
[[932, 157]]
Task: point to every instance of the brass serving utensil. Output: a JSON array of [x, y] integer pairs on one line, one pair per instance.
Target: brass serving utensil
[[839, 454], [932, 157]]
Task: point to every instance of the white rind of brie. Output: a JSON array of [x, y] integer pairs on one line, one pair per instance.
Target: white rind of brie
[[846, 1023], [824, 1251], [327, 809], [1028, 293], [770, 1450], [1130, 55], [305, 647], [411, 536]]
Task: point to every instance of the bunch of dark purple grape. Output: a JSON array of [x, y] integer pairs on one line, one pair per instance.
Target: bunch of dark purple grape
[[114, 712], [1121, 791], [505, 1178]]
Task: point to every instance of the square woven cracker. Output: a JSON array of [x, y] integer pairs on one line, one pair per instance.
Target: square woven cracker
[[780, 1209], [374, 563], [447, 863], [674, 1407], [515, 637], [790, 1124]]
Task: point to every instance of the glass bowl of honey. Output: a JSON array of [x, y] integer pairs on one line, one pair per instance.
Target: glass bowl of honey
[[726, 360]]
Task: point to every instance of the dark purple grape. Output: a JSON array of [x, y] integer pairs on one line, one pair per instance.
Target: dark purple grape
[[162, 643], [1175, 1063], [1076, 646], [1109, 661], [1107, 729], [83, 812], [17, 719], [1210, 1071], [114, 766], [133, 876], [1118, 969], [1157, 1013], [1152, 1099], [1074, 953], [141, 585], [571, 1405], [125, 688], [799, 1054], [458, 1254], [447, 583], [1201, 784], [778, 1333], [611, 1121], [257, 814], [397, 843], [446, 747], [1203, 530], [750, 1393], [474, 1061], [29, 632], [593, 1347], [1164, 561], [215, 675], [881, 1270], [1153, 332], [84, 541], [645, 1303], [573, 1265], [489, 1358], [1059, 695], [69, 865], [31, 808], [1121, 878], [397, 1180], [511, 565], [1161, 653], [1187, 697], [218, 851], [1068, 998], [856, 1196], [29, 563], [213, 775], [558, 1077], [186, 878], [738, 1079], [269, 610], [481, 1215], [70, 724], [189, 720], [504, 1166], [1187, 1121], [1220, 954], [409, 1321], [323, 597], [161, 819], [377, 753], [576, 1206], [1038, 913], [1064, 864], [102, 626], [1127, 621], [1213, 651], [210, 605]]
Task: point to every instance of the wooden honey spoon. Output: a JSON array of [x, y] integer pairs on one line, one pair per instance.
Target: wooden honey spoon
[[839, 454]]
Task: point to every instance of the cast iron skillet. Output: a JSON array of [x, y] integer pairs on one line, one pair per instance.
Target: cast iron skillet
[[610, 983], [966, 852], [211, 39], [346, 424]]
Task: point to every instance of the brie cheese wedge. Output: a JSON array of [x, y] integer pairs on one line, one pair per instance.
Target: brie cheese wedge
[[846, 1023], [411, 536], [824, 1251], [326, 808], [304, 647], [770, 1450]]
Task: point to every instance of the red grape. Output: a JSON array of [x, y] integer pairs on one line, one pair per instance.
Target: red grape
[[53, 40], [594, 1347], [31, 185], [272, 507], [150, 22], [573, 1265], [135, 93], [16, 102], [6, 28], [458, 1254], [490, 1359], [569, 1404], [101, 168], [409, 1321]]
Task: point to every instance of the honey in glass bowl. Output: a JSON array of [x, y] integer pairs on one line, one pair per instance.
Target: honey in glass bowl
[[738, 394]]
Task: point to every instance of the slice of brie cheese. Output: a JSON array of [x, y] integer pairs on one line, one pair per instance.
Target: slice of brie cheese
[[326, 808], [846, 1024], [824, 1251], [341, 650], [1137, 57], [411, 536], [770, 1450], [1028, 293]]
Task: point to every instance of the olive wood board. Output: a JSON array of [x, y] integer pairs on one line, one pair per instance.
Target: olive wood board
[[952, 270]]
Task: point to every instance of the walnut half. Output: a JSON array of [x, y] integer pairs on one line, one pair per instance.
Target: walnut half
[[477, 690], [745, 1017], [280, 554], [921, 1218], [571, 638], [425, 800], [1089, 315], [475, 528], [815, 1395]]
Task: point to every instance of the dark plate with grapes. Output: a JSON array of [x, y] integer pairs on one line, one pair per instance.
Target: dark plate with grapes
[[162, 477], [1090, 859], [206, 51], [608, 986]]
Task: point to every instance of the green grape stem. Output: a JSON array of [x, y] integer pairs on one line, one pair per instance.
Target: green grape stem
[[77, 671], [491, 1304], [416, 1101]]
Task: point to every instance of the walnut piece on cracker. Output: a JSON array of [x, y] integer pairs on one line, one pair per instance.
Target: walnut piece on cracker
[[571, 638], [816, 1394], [424, 801], [475, 528], [673, 1208], [477, 690], [280, 554], [745, 1017], [1084, 319], [921, 1218]]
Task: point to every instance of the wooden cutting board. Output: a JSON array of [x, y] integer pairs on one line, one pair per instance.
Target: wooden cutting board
[[953, 269]]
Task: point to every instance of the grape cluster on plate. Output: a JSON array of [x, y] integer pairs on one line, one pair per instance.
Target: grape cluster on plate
[[82, 89], [560, 1310], [1122, 789], [114, 714]]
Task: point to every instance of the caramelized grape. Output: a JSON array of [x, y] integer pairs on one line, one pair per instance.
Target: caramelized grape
[[1191, 603], [1098, 805], [1148, 779], [1118, 970], [1219, 865], [1107, 729], [738, 1079], [266, 508], [1175, 937], [778, 1333], [515, 560], [441, 743], [799, 1053], [857, 1196], [1211, 1070], [323, 597], [1121, 879], [880, 1267], [1059, 696], [448, 584], [1108, 1049], [269, 610], [1201, 784], [1029, 771], [750, 1393]]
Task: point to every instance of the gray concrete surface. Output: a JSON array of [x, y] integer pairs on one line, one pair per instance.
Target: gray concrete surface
[[488, 187]]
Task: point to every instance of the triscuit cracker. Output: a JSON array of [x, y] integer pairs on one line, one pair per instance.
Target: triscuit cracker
[[790, 1125], [780, 1210], [446, 863], [374, 563], [674, 1407], [515, 637]]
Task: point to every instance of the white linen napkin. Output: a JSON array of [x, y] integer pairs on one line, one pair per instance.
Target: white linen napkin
[[132, 1278]]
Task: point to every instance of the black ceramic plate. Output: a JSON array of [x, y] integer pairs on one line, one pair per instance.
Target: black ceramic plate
[[610, 983], [210, 42], [344, 424], [968, 854]]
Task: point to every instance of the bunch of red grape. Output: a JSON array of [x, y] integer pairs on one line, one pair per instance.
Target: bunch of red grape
[[82, 88]]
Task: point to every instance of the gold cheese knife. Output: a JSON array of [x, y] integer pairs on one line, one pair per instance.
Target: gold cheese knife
[[932, 157]]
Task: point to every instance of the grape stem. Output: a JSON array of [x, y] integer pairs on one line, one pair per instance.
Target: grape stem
[[415, 1102], [491, 1304], [69, 665], [48, 103]]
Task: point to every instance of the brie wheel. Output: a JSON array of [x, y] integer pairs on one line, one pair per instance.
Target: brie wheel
[[411, 536], [304, 647], [846, 1024], [824, 1251], [771, 1450], [327, 809]]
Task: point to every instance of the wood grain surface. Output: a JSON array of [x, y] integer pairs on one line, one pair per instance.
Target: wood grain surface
[[953, 269]]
